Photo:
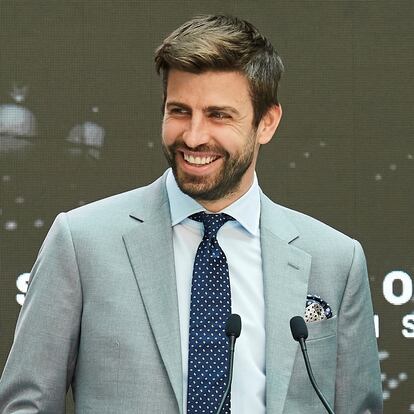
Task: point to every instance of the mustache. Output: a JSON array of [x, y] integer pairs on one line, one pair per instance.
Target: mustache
[[181, 146]]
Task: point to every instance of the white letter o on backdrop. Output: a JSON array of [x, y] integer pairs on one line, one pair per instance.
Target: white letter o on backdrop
[[388, 287]]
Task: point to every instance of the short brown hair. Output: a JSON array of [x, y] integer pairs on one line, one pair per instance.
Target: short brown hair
[[224, 43]]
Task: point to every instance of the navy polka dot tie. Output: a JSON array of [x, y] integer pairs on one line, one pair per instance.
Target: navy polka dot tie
[[210, 308]]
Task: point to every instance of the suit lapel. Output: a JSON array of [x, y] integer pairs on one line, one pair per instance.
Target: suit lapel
[[150, 251], [285, 272]]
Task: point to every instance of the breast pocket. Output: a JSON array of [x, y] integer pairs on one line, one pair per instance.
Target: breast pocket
[[322, 329], [322, 348]]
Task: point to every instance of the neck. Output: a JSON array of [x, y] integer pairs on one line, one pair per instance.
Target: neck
[[215, 206]]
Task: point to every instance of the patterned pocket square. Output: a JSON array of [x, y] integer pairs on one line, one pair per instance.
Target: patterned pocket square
[[316, 309]]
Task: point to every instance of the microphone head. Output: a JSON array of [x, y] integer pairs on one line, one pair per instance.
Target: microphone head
[[298, 328], [233, 325]]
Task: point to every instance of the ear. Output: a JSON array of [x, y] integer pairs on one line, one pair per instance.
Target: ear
[[269, 124]]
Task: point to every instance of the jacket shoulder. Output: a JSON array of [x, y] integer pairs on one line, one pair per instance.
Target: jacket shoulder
[[309, 226], [311, 235], [122, 205]]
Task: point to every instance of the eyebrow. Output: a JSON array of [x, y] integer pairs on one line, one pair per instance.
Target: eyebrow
[[212, 108]]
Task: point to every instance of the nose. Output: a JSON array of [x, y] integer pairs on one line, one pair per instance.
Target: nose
[[196, 132]]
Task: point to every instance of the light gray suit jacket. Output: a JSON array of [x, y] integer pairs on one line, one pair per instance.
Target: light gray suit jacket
[[101, 314]]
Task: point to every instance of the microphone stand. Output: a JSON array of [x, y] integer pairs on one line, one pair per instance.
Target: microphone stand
[[312, 378], [232, 339], [233, 329], [300, 333]]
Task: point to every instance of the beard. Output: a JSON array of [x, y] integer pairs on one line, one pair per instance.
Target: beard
[[219, 185]]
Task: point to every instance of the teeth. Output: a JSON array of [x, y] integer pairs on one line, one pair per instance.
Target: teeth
[[198, 160]]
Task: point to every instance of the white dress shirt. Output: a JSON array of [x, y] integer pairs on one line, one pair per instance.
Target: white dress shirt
[[240, 241]]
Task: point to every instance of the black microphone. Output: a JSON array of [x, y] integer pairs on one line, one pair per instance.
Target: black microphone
[[300, 333], [233, 329]]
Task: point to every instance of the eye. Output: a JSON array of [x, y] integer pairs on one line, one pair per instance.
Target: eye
[[219, 115], [176, 110]]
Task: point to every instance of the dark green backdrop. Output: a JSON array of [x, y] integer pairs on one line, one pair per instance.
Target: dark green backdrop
[[80, 120]]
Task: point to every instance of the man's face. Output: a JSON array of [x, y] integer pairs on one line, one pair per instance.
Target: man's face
[[208, 134]]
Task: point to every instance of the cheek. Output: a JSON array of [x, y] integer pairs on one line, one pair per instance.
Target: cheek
[[171, 130], [233, 141]]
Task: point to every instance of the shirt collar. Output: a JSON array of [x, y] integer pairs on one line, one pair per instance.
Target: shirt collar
[[246, 210]]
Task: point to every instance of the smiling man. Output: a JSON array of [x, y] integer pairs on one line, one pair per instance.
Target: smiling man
[[209, 135], [129, 296]]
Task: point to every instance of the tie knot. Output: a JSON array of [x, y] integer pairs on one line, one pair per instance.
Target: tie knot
[[212, 222]]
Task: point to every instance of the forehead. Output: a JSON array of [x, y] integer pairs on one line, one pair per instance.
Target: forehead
[[209, 88]]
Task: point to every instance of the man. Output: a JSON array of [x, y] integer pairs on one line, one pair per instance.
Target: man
[[128, 299]]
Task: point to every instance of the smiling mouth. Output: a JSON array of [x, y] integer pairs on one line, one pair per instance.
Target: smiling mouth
[[199, 160]]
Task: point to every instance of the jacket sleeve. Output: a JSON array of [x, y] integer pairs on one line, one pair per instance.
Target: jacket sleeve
[[42, 359], [358, 382]]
